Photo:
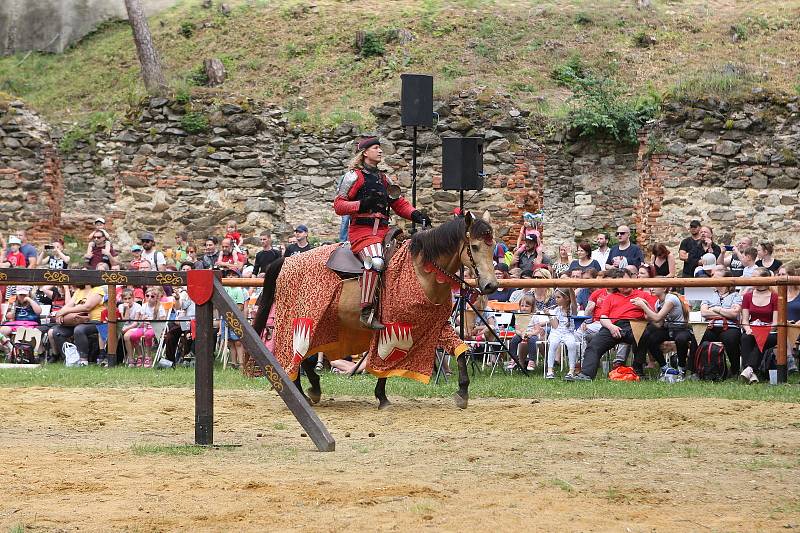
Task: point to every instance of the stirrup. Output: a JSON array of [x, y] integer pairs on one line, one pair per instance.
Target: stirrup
[[369, 320]]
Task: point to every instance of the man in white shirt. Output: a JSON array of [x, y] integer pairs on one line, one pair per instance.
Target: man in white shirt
[[149, 253], [601, 253]]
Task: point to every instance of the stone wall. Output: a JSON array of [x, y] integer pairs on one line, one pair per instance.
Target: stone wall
[[733, 166]]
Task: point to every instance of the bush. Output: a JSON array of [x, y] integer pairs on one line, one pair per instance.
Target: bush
[[194, 122], [187, 29], [569, 72], [582, 19], [85, 131], [373, 45]]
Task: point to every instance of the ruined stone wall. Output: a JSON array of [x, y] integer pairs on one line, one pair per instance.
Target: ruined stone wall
[[733, 166]]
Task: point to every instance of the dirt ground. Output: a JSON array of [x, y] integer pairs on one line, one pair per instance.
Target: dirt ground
[[79, 459]]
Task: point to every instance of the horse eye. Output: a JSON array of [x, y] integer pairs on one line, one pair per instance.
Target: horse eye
[[476, 248]]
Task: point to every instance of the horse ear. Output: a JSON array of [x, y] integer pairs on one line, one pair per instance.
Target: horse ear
[[487, 217], [469, 218]]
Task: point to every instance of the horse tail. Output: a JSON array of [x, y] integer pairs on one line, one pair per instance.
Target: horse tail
[[267, 297]]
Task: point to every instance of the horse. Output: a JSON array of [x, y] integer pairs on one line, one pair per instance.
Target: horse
[[415, 305]]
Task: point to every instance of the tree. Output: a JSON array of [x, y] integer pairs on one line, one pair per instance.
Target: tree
[[152, 74]]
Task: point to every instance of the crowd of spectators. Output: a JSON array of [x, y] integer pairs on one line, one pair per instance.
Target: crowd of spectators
[[604, 315]]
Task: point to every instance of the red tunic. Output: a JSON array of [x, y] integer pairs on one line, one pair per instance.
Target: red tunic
[[360, 236]]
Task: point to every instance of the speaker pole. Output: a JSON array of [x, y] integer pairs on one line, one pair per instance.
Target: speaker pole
[[414, 177], [462, 304]]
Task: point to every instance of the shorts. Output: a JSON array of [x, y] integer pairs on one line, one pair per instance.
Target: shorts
[[138, 334]]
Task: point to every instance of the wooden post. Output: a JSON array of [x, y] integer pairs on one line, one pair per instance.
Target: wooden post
[[204, 375], [111, 342], [273, 371], [782, 332]]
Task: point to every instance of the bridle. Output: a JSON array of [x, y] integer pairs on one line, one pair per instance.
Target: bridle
[[456, 281]]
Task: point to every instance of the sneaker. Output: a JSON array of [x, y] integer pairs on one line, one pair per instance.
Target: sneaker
[[531, 366], [746, 374], [511, 365], [581, 377], [318, 368], [83, 362], [550, 375], [147, 362], [139, 362], [616, 364], [753, 379], [569, 377]]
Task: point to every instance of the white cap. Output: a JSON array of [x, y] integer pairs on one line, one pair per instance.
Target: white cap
[[708, 261], [14, 240]]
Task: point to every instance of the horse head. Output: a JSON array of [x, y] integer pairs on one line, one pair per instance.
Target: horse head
[[478, 252]]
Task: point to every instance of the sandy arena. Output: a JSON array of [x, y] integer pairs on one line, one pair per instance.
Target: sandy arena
[[71, 460]]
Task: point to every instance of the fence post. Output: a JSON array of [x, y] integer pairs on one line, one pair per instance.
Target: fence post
[[782, 333], [111, 341], [204, 375]]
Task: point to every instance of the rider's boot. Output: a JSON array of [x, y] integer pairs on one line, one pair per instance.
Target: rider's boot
[[369, 284]]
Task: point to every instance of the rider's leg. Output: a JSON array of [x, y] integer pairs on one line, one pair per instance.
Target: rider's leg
[[372, 257]]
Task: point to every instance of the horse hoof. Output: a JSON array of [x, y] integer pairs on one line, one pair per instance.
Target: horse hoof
[[461, 402], [384, 404], [314, 396]]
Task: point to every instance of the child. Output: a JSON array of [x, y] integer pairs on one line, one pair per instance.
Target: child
[[13, 256], [239, 297], [531, 225], [563, 332], [233, 234], [151, 310], [532, 333]]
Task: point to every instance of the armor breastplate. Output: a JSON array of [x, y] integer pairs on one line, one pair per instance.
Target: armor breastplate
[[373, 186]]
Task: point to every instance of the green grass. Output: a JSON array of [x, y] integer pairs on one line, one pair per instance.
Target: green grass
[[333, 385], [166, 449]]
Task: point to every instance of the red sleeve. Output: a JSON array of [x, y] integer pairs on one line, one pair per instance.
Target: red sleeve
[[343, 206], [402, 207], [747, 300], [605, 307]]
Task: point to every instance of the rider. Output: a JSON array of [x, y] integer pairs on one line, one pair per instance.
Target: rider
[[364, 195]]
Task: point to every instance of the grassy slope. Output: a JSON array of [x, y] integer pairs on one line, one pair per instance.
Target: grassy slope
[[279, 50], [498, 386]]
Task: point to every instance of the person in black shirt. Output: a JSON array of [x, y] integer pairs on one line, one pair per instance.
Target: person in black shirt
[[689, 251], [302, 244], [265, 256]]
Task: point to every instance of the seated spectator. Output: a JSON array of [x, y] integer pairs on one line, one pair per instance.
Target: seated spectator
[[792, 308], [759, 308], [23, 313], [646, 271], [765, 259], [561, 264], [662, 260], [734, 260], [543, 295], [88, 303], [239, 297], [616, 312], [669, 321], [143, 332], [503, 293], [346, 365], [624, 253], [707, 264], [179, 332], [748, 262], [517, 294], [514, 273], [721, 311], [584, 258], [53, 256], [582, 295], [13, 256], [531, 335]]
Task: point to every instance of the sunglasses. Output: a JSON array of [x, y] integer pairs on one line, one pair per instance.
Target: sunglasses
[[98, 237], [145, 240], [299, 231], [622, 233], [152, 295], [538, 277]]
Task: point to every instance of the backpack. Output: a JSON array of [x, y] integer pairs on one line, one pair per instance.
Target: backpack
[[768, 362], [22, 354], [623, 373], [709, 361]]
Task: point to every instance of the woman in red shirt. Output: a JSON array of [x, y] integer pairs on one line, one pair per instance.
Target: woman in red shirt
[[759, 308]]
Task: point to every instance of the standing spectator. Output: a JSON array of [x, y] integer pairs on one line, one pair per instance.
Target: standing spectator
[[662, 260], [530, 256], [585, 258], [561, 265], [689, 251], [209, 258], [239, 297], [301, 245], [191, 254], [624, 252], [99, 250], [765, 259], [181, 245], [721, 311], [228, 258], [708, 246], [13, 256], [616, 312], [27, 249], [266, 255], [759, 307], [562, 331], [153, 256], [53, 256], [601, 253], [735, 260]]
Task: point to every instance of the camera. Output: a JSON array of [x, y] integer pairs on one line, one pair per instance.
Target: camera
[[49, 247]]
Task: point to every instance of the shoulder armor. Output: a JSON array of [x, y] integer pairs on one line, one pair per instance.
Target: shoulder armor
[[347, 182]]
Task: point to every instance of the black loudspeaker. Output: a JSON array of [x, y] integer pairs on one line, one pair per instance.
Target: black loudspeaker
[[416, 100], [462, 163]]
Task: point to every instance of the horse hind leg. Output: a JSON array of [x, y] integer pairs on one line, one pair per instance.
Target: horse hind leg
[[380, 394], [315, 391]]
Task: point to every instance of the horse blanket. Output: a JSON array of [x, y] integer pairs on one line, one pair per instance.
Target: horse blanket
[[306, 319]]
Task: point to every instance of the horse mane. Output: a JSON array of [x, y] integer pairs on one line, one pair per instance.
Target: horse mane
[[447, 238]]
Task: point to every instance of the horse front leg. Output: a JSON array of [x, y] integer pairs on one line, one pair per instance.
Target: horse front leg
[[461, 396], [380, 394], [315, 391]]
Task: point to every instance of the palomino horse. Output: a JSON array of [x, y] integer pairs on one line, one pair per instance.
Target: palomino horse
[[316, 311]]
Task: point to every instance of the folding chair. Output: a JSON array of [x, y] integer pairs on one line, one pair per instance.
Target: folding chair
[[501, 334], [160, 331]]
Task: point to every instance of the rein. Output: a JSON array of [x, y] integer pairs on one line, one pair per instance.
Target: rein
[[456, 281]]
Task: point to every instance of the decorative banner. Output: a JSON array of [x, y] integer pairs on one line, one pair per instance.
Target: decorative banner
[[301, 338], [699, 329], [395, 341], [638, 328], [200, 284], [761, 333]]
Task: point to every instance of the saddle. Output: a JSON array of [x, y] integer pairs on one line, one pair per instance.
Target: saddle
[[347, 265]]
